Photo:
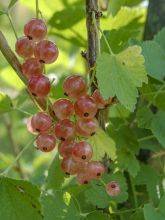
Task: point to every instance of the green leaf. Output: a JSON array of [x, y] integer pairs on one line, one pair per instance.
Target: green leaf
[[127, 147], [56, 177], [102, 144], [139, 215], [19, 200], [118, 39], [151, 214], [73, 14], [154, 93], [115, 5], [97, 195], [127, 161], [59, 205], [144, 117], [154, 59], [148, 176], [127, 66], [11, 4], [158, 127], [125, 139], [159, 38], [97, 215], [5, 103]]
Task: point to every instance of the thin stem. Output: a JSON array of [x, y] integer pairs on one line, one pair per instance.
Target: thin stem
[[12, 25], [133, 192], [125, 211], [17, 157], [20, 110], [37, 9], [146, 138], [106, 41]]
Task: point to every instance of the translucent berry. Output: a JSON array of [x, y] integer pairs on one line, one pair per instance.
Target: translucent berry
[[65, 130], [41, 122], [74, 86], [82, 167], [83, 178], [29, 126], [65, 148], [96, 169], [35, 29], [24, 47], [87, 126], [100, 101], [46, 142], [113, 188], [82, 151], [46, 51], [85, 106], [69, 166], [39, 85], [32, 67], [63, 108]]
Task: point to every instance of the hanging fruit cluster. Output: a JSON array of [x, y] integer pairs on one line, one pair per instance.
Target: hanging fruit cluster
[[36, 51], [74, 117]]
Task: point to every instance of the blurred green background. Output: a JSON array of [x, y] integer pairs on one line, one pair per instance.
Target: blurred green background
[[67, 28]]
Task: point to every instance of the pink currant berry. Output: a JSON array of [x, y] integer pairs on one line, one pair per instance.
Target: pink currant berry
[[39, 85], [41, 122], [32, 67], [96, 169], [74, 86], [65, 130], [83, 178], [46, 142], [85, 106], [24, 47], [63, 108], [35, 29], [65, 148], [69, 166], [82, 151], [100, 101], [87, 126], [46, 51], [113, 188], [29, 126]]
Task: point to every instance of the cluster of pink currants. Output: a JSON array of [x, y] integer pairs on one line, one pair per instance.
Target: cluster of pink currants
[[75, 122], [74, 118], [36, 52]]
